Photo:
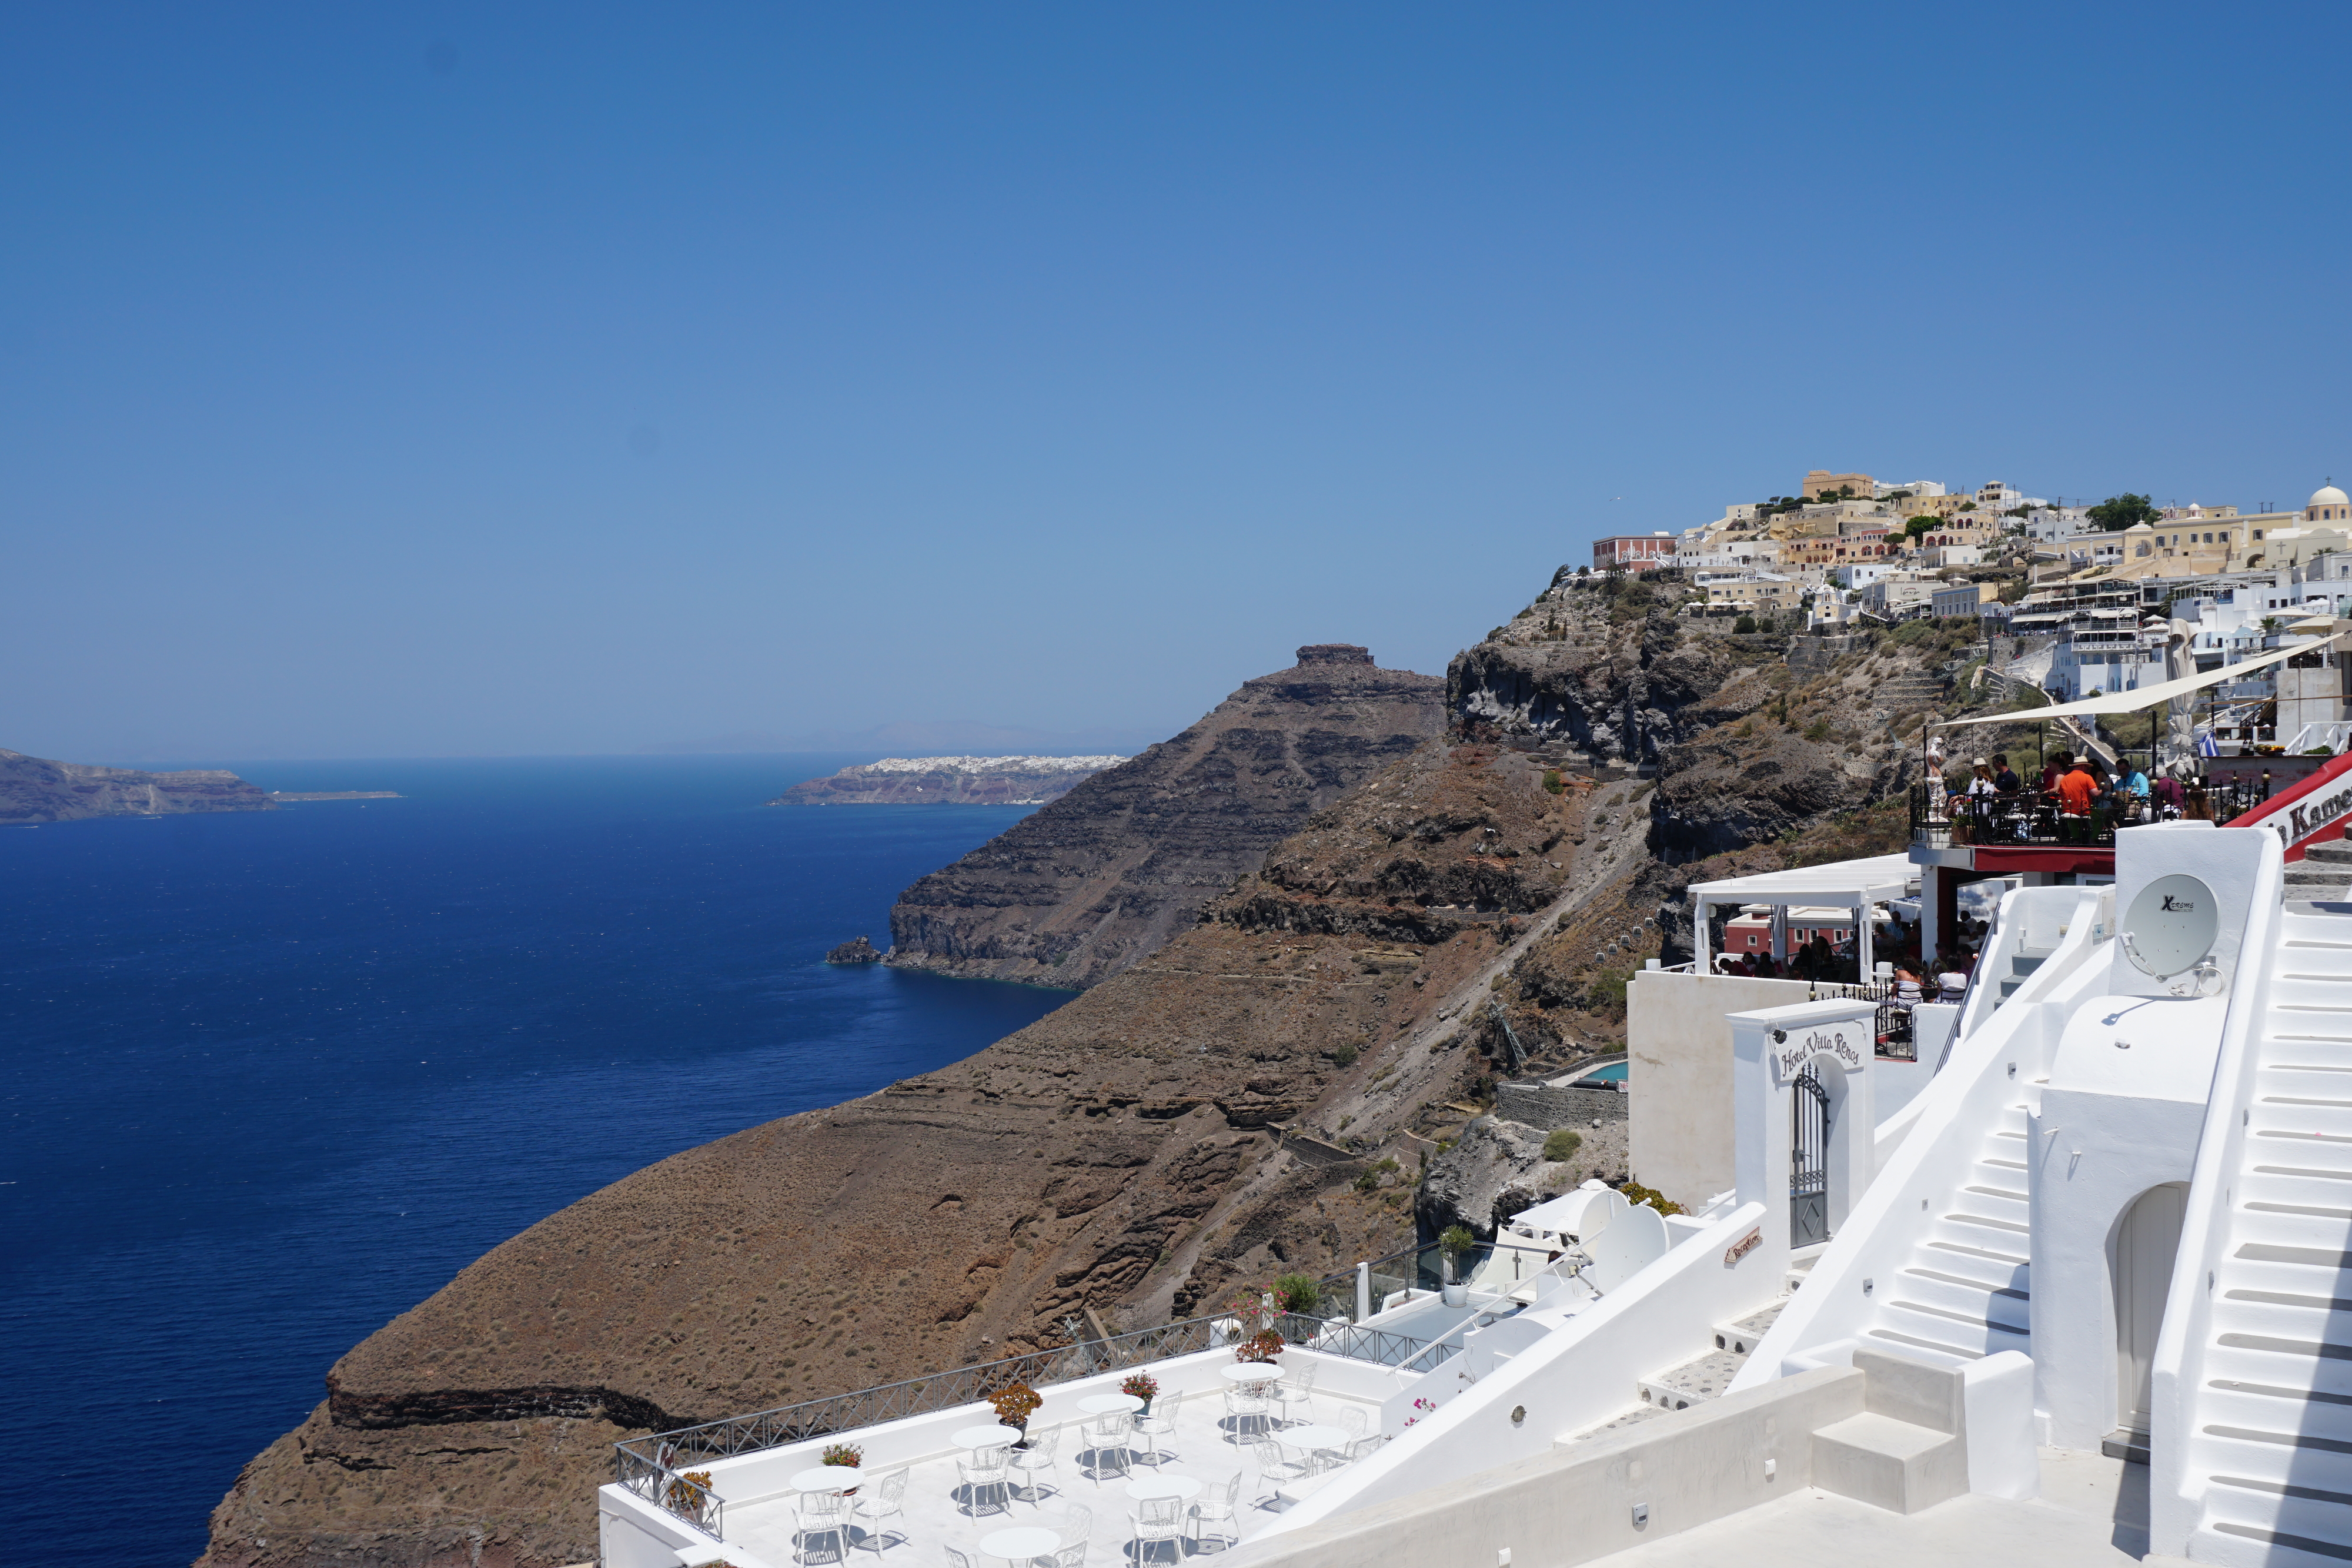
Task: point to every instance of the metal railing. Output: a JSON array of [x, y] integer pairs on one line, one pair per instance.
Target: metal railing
[[654, 1467], [1940, 820]]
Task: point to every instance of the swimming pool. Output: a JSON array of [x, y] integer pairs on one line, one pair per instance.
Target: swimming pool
[[1609, 1072]]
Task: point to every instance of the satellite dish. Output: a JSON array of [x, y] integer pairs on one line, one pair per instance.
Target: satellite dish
[[2170, 926]]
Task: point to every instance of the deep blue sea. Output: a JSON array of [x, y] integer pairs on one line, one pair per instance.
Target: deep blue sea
[[271, 1078]]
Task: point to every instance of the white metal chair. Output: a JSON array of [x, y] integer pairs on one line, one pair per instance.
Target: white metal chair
[[1246, 1406], [1158, 1422], [1352, 1420], [1360, 1447], [819, 1513], [1297, 1390], [1273, 1470], [1037, 1459], [1157, 1520], [1072, 1556], [880, 1500], [984, 1472], [1073, 1526], [1219, 1505], [1107, 1435], [956, 1559]]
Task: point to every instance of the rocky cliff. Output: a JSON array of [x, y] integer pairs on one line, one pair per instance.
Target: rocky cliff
[[1108, 873], [1469, 910], [949, 781], [36, 789]]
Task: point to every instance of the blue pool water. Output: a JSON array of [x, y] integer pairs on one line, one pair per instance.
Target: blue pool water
[[1612, 1074], [271, 1078]]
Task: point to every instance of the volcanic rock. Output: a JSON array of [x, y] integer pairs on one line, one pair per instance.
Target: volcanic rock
[[1110, 871], [859, 951], [36, 789]]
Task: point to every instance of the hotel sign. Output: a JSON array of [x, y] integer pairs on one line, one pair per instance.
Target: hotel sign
[[1743, 1246], [2306, 817], [1845, 1041]]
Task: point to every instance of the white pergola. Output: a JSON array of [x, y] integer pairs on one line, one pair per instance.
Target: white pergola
[[1858, 885]]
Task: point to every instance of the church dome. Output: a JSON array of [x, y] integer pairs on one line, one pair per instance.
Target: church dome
[[2328, 505], [2329, 495]]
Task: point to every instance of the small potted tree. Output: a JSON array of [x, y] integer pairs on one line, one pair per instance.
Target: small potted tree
[[1015, 1405], [1453, 1244]]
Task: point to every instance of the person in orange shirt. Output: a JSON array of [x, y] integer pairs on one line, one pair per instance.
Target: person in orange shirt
[[2076, 791]]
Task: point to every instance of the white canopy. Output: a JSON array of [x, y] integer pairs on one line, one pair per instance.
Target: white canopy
[[2144, 697], [1839, 885]]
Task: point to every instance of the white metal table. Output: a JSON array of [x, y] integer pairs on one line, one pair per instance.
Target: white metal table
[[1022, 1543], [1249, 1372], [1183, 1489], [829, 1477], [977, 1437], [1110, 1403]]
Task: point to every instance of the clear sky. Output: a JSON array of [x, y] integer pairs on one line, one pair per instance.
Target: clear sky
[[432, 379]]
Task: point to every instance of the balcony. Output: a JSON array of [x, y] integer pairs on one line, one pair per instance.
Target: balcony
[[1941, 821]]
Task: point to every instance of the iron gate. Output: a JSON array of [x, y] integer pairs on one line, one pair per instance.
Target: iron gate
[[1809, 1162]]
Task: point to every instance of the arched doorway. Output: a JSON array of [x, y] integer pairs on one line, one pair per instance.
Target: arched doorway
[[2147, 1239], [1811, 1121]]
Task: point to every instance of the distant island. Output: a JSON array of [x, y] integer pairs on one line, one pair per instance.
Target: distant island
[[949, 782], [36, 789], [336, 795]]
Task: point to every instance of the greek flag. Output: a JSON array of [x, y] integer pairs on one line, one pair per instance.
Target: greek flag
[[2205, 746]]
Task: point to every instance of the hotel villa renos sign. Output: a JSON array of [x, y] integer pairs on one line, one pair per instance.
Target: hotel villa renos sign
[[1846, 1040]]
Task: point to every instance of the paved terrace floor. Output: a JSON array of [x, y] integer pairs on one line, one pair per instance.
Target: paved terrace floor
[[2092, 1513], [937, 1511]]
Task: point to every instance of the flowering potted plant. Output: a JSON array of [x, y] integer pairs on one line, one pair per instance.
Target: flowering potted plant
[[847, 1454], [1264, 1347], [1141, 1386], [1015, 1405]]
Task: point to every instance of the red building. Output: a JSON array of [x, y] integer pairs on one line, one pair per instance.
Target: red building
[[1632, 552]]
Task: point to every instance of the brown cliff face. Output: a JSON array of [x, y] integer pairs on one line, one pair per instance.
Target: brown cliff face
[[1120, 1154], [1108, 873], [36, 789]]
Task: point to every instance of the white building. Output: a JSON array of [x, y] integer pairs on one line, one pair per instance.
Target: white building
[[1880, 491]]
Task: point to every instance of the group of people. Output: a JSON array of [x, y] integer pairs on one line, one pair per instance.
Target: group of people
[[2080, 793]]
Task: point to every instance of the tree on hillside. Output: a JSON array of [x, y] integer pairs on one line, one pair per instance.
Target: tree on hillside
[[2117, 512], [1920, 525]]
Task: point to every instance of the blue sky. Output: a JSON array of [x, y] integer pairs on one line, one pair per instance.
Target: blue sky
[[426, 380]]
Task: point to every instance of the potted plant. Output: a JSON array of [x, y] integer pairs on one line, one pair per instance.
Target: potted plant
[[1141, 1386], [1298, 1294], [1264, 1347], [1015, 1405], [1452, 1243], [847, 1454]]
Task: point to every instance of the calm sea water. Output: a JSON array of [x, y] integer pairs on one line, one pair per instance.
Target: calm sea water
[[269, 1079]]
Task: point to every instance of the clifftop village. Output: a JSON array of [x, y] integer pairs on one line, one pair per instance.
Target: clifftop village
[[2075, 600]]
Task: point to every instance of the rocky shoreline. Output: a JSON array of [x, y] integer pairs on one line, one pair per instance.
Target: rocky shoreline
[[36, 789]]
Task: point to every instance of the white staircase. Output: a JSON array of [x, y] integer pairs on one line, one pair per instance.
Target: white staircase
[[2269, 1439], [1965, 1291]]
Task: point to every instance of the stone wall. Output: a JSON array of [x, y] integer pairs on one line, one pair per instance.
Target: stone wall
[[1549, 1106]]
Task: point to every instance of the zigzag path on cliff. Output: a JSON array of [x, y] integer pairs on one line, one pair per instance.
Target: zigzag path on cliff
[[1128, 1151]]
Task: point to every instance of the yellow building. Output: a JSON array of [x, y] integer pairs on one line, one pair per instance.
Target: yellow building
[[1819, 482]]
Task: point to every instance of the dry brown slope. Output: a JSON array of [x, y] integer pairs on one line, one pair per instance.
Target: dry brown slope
[[1110, 871], [1117, 1154]]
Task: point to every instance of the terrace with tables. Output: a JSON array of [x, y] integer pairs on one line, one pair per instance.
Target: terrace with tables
[[1225, 1444], [1250, 1416]]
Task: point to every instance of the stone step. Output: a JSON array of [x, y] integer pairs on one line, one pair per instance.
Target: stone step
[[1692, 1383]]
